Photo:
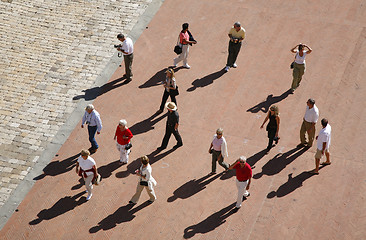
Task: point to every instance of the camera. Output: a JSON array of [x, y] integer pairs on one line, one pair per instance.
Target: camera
[[118, 46]]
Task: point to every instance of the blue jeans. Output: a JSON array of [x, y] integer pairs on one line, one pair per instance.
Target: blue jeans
[[92, 130]]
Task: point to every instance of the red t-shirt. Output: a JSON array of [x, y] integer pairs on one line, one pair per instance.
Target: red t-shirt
[[182, 36], [120, 134], [243, 174]]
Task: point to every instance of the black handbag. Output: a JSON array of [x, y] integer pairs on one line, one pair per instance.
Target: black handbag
[[128, 146], [292, 65], [144, 183], [178, 47], [175, 91]]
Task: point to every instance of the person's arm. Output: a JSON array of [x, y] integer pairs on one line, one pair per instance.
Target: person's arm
[[99, 123], [115, 134], [309, 49], [248, 186], [77, 168], [278, 125], [83, 120], [293, 49], [176, 126], [233, 165], [209, 149], [265, 120], [95, 172], [173, 85], [128, 134]]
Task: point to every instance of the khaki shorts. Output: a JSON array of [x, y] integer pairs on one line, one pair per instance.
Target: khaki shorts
[[318, 154]]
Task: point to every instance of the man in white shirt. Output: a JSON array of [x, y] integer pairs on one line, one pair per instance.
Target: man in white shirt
[[92, 119], [323, 143], [308, 125], [87, 170], [127, 50]]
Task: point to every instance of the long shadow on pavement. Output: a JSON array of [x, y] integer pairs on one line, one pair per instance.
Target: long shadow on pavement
[[211, 222], [62, 206], [292, 184], [192, 187], [146, 125], [58, 167], [205, 81], [158, 77], [264, 106], [279, 162], [122, 214], [93, 93]]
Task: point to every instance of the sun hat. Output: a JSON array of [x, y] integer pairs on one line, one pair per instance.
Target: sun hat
[[171, 106]]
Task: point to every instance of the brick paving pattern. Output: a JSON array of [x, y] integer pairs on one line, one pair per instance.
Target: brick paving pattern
[[51, 50]]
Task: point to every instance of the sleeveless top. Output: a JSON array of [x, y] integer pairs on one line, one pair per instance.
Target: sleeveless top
[[299, 59], [272, 122]]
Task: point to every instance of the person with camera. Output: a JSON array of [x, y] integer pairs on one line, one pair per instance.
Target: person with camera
[[127, 50], [218, 150], [171, 89], [185, 39], [92, 119], [273, 126], [123, 136], [236, 35], [299, 64], [87, 168], [146, 181]]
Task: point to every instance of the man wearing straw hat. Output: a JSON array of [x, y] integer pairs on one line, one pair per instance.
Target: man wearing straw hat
[[172, 124]]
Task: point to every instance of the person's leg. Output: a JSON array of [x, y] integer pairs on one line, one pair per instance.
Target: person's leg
[[128, 65], [151, 192], [185, 52], [241, 190], [311, 134], [172, 98], [119, 148], [230, 62], [163, 100], [166, 138], [214, 159], [178, 138], [137, 195], [271, 135], [222, 163], [302, 133], [318, 156], [124, 154], [327, 155], [295, 76], [92, 131], [236, 51], [89, 184], [181, 56], [301, 68]]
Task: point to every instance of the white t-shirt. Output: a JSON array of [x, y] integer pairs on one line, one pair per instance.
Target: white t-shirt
[[324, 136], [216, 143], [311, 114], [86, 164], [127, 46], [299, 59]]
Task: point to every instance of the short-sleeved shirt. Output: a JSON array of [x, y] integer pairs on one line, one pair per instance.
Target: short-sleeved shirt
[[183, 35], [239, 34], [243, 174], [120, 134], [86, 164], [311, 114], [324, 136], [127, 46], [173, 118], [217, 142]]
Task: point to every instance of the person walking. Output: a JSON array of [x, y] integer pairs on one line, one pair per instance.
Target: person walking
[[236, 35], [123, 136], [185, 38], [273, 126], [218, 150], [127, 51], [323, 144], [87, 168], [243, 178], [299, 64], [92, 119], [146, 181], [308, 125], [171, 89], [172, 124]]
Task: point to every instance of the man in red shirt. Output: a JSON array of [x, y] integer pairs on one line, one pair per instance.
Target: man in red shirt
[[123, 135], [243, 178]]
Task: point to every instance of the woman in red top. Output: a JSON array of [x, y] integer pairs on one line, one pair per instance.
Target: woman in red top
[[243, 178], [184, 40], [123, 135]]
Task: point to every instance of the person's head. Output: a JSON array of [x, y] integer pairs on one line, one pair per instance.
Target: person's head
[[89, 108], [122, 124], [219, 132], [301, 47], [310, 102], [237, 26], [144, 160], [242, 161], [324, 122], [170, 73], [121, 37], [274, 109], [185, 26], [85, 154], [171, 106]]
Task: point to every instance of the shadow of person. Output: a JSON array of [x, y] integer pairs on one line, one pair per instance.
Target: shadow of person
[[252, 160], [291, 185], [155, 80], [93, 93], [211, 222], [207, 80], [154, 156], [58, 167], [264, 106], [279, 162], [79, 185], [62, 206], [146, 125], [122, 214], [192, 187]]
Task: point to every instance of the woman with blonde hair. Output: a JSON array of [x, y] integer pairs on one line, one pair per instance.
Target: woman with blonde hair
[[273, 126], [171, 89]]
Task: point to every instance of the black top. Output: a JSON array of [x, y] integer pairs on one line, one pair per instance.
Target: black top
[[173, 118], [272, 121]]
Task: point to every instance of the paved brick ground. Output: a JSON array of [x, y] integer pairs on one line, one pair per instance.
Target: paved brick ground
[[286, 202], [51, 51]]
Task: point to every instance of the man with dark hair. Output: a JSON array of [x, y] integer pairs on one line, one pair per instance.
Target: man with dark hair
[[127, 51], [323, 143], [236, 35], [308, 125], [185, 39]]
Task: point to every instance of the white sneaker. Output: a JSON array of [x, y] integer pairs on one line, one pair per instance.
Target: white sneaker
[[234, 65], [187, 66], [89, 197], [227, 68]]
